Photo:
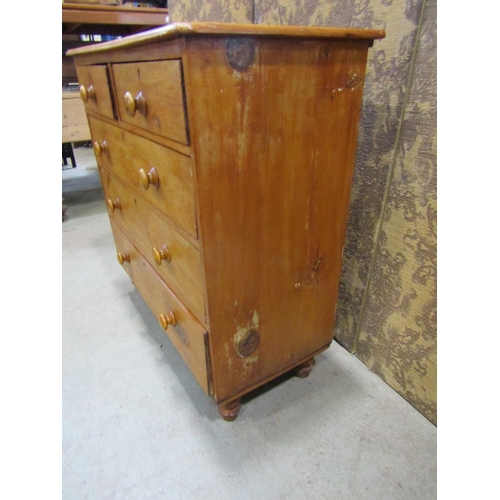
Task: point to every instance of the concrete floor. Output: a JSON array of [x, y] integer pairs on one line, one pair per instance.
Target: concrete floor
[[137, 426]]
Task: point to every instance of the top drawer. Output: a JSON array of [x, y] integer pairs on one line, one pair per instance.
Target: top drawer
[[150, 95], [95, 89]]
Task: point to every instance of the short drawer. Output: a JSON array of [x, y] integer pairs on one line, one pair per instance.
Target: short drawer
[[95, 89], [187, 335], [150, 95], [174, 258], [162, 176]]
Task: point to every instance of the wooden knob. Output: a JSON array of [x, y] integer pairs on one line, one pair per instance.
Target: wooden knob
[[87, 94], [133, 104], [114, 205], [161, 254], [123, 257], [150, 178], [169, 319], [100, 149]]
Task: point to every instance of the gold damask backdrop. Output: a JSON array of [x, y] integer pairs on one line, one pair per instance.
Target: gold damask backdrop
[[388, 293]]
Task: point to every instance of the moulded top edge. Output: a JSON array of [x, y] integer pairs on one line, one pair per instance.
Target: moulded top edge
[[206, 28]]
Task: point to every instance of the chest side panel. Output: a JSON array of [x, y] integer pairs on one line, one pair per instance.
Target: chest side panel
[[274, 132]]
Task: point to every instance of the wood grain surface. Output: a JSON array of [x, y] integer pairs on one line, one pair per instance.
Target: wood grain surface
[[97, 77], [75, 126], [160, 83], [200, 29], [128, 154], [184, 272], [274, 148], [188, 336]]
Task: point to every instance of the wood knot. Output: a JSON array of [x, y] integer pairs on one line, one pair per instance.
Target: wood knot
[[248, 343], [240, 53]]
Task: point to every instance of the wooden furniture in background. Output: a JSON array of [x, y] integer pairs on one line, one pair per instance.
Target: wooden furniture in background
[[75, 127], [226, 155], [110, 20], [103, 20]]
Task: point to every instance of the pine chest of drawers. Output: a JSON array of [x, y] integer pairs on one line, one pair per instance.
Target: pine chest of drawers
[[226, 155]]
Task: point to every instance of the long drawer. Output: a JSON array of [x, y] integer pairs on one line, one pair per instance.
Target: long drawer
[[188, 336], [174, 258], [162, 176]]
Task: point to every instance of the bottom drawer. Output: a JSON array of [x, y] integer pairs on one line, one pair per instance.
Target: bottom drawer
[[187, 335]]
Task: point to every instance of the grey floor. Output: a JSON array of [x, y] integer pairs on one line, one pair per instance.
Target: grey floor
[[137, 426]]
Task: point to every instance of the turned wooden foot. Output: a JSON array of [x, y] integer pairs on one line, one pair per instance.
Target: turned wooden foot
[[229, 411], [305, 368]]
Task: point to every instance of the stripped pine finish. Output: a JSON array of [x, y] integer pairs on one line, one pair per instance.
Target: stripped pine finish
[[271, 117]]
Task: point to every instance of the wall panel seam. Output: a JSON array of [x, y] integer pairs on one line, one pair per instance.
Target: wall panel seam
[[390, 175]]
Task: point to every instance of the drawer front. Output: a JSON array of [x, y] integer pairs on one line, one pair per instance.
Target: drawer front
[[187, 335], [150, 95], [176, 260], [162, 176], [95, 89]]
